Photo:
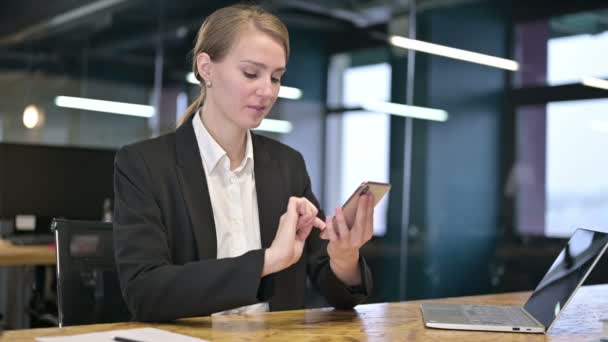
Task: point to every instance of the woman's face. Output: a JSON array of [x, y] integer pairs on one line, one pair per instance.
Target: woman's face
[[246, 82]]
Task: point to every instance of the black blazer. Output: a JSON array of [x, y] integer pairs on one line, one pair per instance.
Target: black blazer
[[165, 242]]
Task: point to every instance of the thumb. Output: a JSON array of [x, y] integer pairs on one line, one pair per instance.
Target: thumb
[[290, 218]]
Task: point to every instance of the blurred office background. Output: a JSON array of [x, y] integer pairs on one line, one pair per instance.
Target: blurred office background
[[485, 190]]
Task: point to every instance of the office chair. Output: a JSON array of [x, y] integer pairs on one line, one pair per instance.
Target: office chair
[[87, 282]]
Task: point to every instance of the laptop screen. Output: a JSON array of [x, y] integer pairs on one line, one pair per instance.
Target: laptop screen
[[566, 274]]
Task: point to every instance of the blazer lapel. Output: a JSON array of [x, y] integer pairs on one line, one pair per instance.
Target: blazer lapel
[[267, 182], [196, 192]]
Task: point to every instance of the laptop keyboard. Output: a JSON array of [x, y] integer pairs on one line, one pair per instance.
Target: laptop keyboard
[[495, 315]]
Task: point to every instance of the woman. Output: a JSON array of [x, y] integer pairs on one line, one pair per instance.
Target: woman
[[214, 219]]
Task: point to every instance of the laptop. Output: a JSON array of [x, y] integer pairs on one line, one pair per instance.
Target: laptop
[[544, 306]]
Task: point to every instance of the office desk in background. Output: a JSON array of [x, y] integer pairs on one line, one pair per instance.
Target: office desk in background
[[18, 276], [373, 322], [33, 255]]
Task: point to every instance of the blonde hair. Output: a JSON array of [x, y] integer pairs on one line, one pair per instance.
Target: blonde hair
[[218, 33]]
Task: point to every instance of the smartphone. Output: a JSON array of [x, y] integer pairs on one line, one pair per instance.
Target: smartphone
[[350, 206]]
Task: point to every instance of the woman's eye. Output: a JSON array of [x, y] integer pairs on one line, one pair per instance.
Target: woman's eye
[[249, 75], [275, 80]]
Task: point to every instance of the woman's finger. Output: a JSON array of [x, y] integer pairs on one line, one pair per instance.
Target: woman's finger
[[342, 228], [317, 222], [369, 231], [304, 221], [359, 227], [306, 207], [290, 218], [311, 207], [330, 229], [303, 233]]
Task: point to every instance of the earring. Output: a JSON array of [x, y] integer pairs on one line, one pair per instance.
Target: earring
[[208, 84]]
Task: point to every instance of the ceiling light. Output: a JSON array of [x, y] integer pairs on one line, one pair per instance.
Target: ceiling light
[[275, 126], [450, 52], [595, 82], [285, 92], [33, 117], [105, 106], [290, 93], [191, 78], [405, 110]]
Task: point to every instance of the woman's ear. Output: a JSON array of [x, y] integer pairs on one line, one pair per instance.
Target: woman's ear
[[204, 66]]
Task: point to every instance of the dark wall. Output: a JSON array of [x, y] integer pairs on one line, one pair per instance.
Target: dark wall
[[307, 70], [54, 181], [462, 154], [455, 166], [307, 65]]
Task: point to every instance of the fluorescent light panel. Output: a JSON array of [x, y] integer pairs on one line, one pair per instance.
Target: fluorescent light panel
[[290, 93], [285, 92], [405, 110], [450, 52], [595, 82], [276, 126], [105, 106], [191, 78]]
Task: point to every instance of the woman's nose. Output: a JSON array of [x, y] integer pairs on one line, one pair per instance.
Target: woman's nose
[[265, 89]]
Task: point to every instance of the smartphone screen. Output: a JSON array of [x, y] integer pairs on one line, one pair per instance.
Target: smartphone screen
[[350, 206]]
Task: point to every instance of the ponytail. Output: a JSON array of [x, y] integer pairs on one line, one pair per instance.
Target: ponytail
[[192, 109]]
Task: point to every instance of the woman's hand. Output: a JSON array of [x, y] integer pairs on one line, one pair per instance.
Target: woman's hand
[[294, 227], [345, 242]]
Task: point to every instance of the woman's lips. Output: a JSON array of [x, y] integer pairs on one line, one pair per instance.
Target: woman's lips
[[258, 109]]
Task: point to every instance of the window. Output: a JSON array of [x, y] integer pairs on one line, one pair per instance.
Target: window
[[358, 141], [572, 58], [577, 183], [561, 167], [562, 49]]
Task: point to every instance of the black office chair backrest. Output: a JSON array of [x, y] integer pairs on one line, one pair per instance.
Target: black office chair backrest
[[87, 283]]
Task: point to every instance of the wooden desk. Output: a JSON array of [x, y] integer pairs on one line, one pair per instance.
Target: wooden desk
[[17, 262], [12, 255], [373, 322]]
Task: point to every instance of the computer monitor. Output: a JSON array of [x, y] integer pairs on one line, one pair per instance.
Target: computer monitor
[[54, 181]]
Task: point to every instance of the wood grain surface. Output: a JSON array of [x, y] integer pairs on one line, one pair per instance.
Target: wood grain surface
[[13, 255], [372, 322]]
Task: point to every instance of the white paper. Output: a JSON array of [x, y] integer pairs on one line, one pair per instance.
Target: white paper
[[140, 334]]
